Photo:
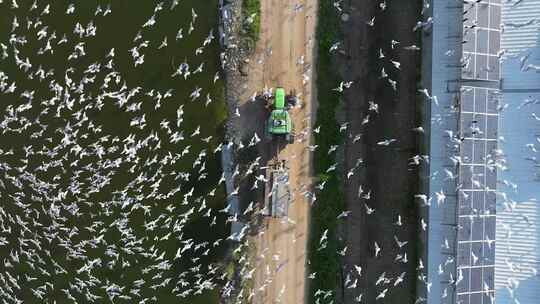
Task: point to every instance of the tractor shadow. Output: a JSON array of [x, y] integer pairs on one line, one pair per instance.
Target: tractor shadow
[[253, 120]]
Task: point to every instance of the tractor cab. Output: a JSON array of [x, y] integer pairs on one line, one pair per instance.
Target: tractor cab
[[280, 123]]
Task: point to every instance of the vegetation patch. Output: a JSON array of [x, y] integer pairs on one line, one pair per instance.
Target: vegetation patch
[[251, 10], [324, 260]]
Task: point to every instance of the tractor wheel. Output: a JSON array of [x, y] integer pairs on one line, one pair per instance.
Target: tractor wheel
[[290, 138], [267, 133], [291, 101]]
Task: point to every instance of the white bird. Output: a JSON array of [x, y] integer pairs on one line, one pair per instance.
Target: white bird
[[111, 53], [371, 22], [382, 294], [150, 22], [377, 249], [332, 149], [446, 244], [324, 236], [367, 196], [369, 210], [440, 197], [411, 47], [337, 5], [424, 199], [381, 279], [383, 74], [195, 94], [358, 270], [428, 285], [404, 259], [435, 100], [321, 185], [179, 34], [163, 43], [46, 10], [174, 4], [339, 88], [331, 168], [373, 107], [419, 129], [398, 222], [196, 132], [14, 24], [108, 10], [399, 243], [450, 174], [425, 92], [393, 84], [386, 142], [420, 264], [474, 258], [334, 47], [343, 214], [70, 9], [399, 279], [348, 84], [139, 60]]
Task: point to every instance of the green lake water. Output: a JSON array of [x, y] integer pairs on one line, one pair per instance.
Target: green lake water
[[104, 206]]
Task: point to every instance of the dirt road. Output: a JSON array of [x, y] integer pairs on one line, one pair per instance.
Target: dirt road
[[386, 173], [286, 41]]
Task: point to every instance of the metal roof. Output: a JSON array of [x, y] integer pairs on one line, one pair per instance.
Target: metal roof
[[478, 131], [520, 43], [518, 213], [441, 73], [517, 255]]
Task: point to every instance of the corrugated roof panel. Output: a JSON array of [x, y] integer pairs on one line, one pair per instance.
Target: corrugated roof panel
[[517, 256], [520, 26], [520, 41]]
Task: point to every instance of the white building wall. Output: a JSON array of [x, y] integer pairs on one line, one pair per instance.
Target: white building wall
[[441, 54]]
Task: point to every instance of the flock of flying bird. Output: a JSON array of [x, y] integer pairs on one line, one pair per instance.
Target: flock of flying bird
[[494, 161], [100, 208], [62, 238]]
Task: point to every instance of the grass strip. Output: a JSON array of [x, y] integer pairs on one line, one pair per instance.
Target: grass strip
[[251, 10], [330, 202]]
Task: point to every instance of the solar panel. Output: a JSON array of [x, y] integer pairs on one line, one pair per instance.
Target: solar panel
[[481, 40], [476, 200]]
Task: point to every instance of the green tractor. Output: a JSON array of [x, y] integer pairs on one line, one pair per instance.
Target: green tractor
[[280, 123]]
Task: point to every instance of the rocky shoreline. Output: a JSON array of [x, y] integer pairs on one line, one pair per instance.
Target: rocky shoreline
[[235, 54], [234, 57]]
